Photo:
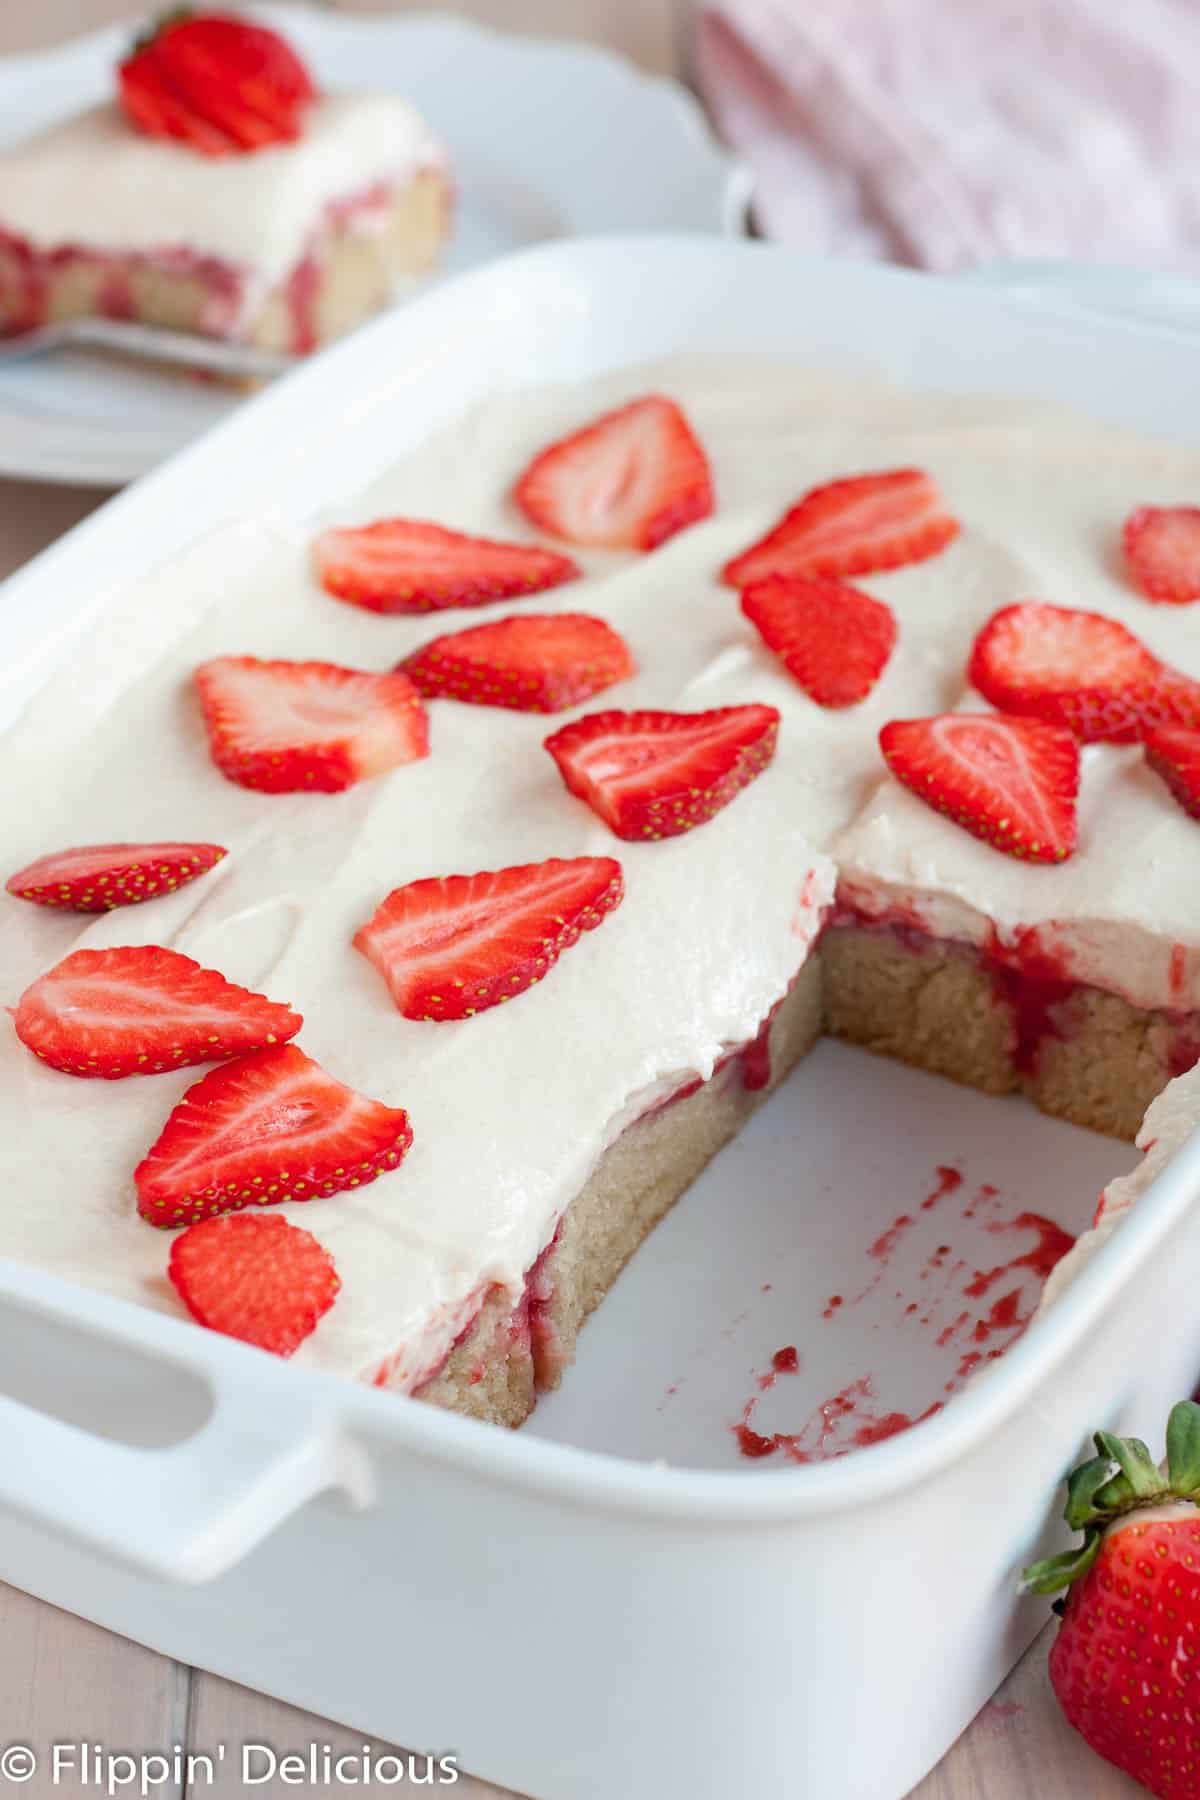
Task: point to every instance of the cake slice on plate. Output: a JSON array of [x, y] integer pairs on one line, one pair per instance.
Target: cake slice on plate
[[221, 192]]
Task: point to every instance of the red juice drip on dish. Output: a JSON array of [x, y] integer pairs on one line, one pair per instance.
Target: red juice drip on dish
[[874, 1431], [847, 1420], [948, 1180], [1052, 1245], [852, 1418], [752, 1443], [983, 1196], [784, 1362], [1004, 1315]]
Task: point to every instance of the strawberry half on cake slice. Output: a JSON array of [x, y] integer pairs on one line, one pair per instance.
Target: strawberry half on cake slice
[[255, 1277], [834, 640], [101, 877], [1162, 553], [268, 1127], [220, 191], [453, 946], [411, 566], [141, 1009], [858, 525], [628, 481], [1175, 755], [1011, 782], [535, 662], [1079, 669], [652, 775], [288, 727]]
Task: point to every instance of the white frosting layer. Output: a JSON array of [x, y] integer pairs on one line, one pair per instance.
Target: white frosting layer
[[1116, 915], [511, 1110], [1120, 913], [1170, 1121], [95, 181]]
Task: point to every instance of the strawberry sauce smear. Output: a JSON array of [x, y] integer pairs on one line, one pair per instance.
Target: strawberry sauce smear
[[973, 1315], [847, 1420], [1031, 977]]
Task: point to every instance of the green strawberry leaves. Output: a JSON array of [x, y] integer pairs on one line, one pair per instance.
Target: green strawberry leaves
[[1119, 1478], [1183, 1449], [1060, 1571], [1083, 1484], [1139, 1478]]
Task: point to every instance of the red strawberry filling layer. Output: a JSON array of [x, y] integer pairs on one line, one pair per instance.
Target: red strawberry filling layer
[[1029, 976], [224, 292]]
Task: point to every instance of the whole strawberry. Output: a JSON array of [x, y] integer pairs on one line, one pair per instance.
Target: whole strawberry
[[1126, 1662], [219, 84]]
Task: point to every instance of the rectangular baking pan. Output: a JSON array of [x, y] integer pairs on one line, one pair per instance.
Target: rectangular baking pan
[[610, 1600]]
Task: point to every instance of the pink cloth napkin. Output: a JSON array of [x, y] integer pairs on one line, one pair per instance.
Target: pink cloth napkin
[[949, 132]]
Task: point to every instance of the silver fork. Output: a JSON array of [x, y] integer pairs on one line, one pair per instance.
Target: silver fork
[[147, 343]]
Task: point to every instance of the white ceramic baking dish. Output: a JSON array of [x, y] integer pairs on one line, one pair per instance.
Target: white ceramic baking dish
[[570, 1612]]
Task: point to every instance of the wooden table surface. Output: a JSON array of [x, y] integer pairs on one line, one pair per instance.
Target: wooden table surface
[[63, 1679]]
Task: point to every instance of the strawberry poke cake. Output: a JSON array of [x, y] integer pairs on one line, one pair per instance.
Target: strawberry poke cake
[[221, 192], [474, 862]]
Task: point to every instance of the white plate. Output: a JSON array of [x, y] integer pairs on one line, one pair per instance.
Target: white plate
[[546, 140]]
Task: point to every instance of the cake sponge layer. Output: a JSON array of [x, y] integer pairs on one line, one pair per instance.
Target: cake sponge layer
[[508, 1354], [1077, 1052]]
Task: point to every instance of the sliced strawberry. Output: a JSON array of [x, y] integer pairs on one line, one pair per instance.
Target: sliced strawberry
[[1101, 715], [835, 640], [628, 481], [450, 947], [655, 774], [218, 84], [161, 112], [856, 526], [138, 1009], [1171, 699], [256, 1278], [1033, 648], [409, 566], [537, 662], [1011, 782], [1162, 549], [282, 727], [100, 877], [245, 80], [1077, 669], [1175, 755], [271, 1126]]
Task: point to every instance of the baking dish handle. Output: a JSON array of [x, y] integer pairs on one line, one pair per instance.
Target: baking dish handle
[[269, 1441], [188, 1512]]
